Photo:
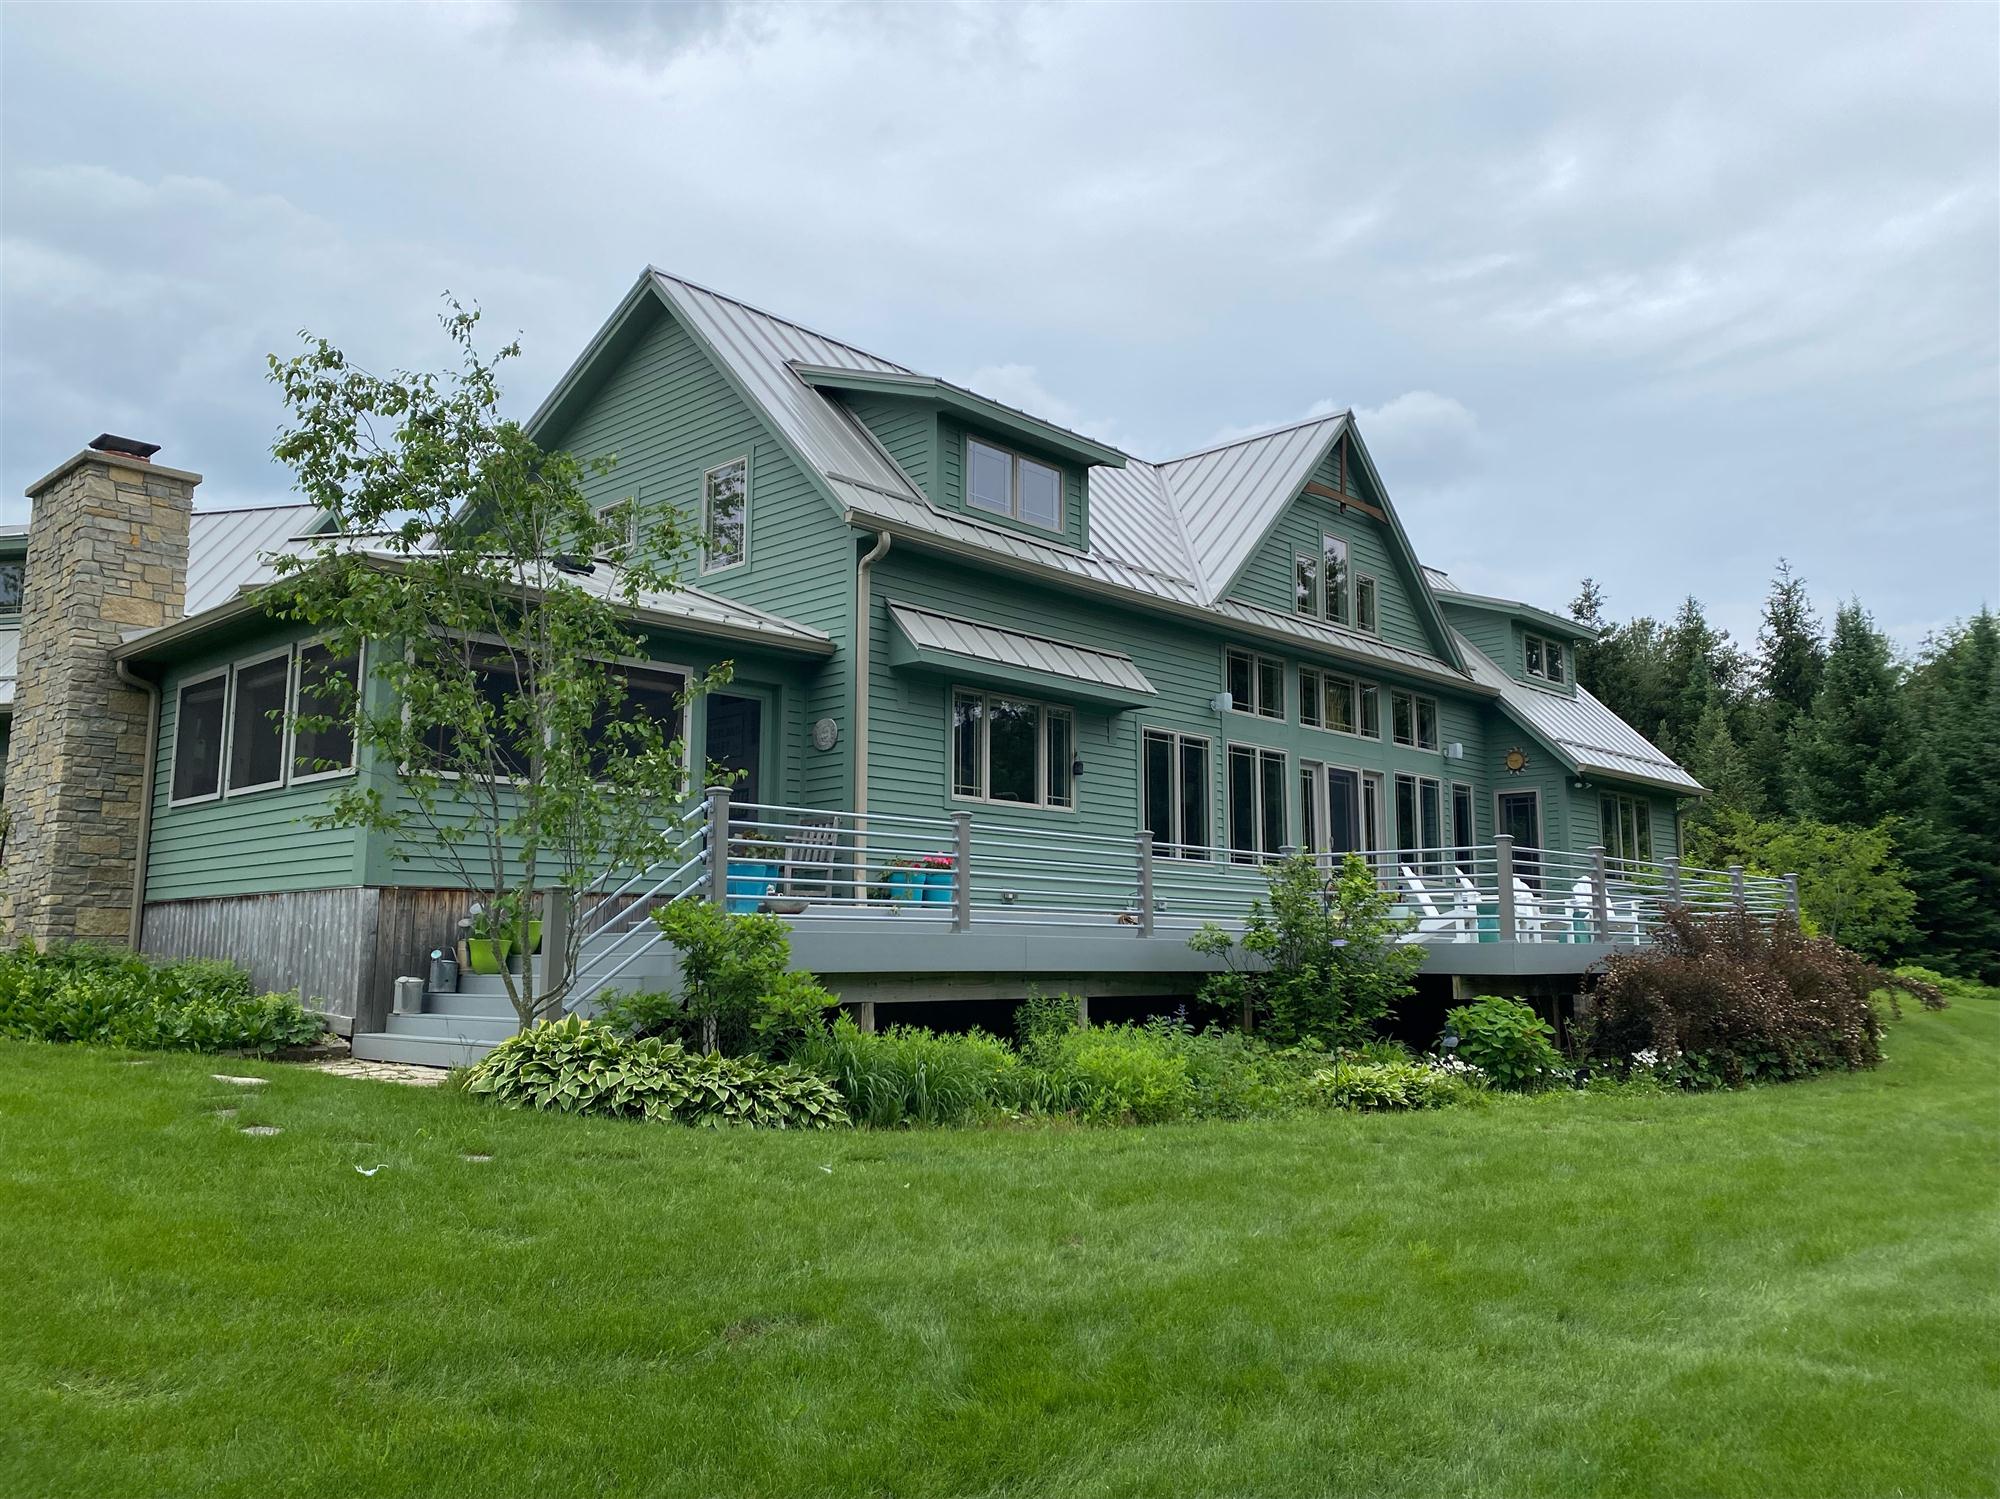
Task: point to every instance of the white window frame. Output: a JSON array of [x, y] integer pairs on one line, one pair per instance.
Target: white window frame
[[1015, 458], [1177, 849], [1260, 752], [1328, 543], [1311, 607], [1622, 802], [1374, 627], [1258, 662], [222, 763], [1042, 709], [1416, 739], [1556, 679], [293, 778], [236, 669], [708, 563], [631, 508]]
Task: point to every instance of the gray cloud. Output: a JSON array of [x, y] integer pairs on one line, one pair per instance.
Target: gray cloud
[[1651, 293]]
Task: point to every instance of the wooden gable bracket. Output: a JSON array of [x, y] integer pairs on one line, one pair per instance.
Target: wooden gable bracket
[[1345, 501]]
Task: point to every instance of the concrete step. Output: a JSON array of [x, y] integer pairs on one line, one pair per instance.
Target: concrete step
[[420, 1051], [466, 1002], [490, 1029]]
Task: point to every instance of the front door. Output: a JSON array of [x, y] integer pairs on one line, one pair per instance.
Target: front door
[[736, 743], [1519, 815]]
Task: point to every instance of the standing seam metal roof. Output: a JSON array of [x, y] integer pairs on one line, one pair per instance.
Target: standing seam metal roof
[[928, 629]]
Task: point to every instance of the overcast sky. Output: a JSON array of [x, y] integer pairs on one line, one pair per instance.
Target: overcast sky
[[1655, 294]]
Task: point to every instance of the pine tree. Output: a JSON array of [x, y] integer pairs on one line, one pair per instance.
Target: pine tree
[[1851, 758], [1791, 659], [1954, 840]]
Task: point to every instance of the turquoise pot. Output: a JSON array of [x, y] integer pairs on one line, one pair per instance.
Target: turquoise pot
[[905, 884], [937, 885], [750, 880]]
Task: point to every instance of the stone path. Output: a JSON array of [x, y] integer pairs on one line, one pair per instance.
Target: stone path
[[383, 1072]]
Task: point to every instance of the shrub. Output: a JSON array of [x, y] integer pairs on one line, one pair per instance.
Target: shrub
[[79, 993], [1507, 1041], [908, 1075], [1043, 1017], [1335, 966], [1115, 1074], [578, 1066], [1730, 998], [1384, 1085], [738, 995]]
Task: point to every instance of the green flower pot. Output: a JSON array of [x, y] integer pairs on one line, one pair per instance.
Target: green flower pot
[[488, 954]]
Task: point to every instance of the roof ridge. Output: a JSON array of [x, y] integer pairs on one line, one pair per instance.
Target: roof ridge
[[765, 312], [1237, 442]]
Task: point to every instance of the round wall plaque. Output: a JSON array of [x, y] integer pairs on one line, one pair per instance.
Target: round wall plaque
[[826, 734]]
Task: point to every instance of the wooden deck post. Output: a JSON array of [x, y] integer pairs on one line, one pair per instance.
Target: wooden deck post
[[1145, 882], [718, 845], [961, 872], [1503, 883], [1737, 898], [1600, 893]]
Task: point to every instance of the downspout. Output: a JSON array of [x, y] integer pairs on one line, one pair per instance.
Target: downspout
[[147, 788], [864, 612]]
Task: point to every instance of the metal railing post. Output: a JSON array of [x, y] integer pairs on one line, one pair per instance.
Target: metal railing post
[[1503, 883], [1792, 897], [1673, 867], [1600, 893], [556, 918], [718, 845], [1145, 882], [1737, 896], [961, 872]]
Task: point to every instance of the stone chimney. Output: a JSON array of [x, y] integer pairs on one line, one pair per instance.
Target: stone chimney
[[107, 553]]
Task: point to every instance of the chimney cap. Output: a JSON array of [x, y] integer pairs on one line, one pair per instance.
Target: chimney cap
[[131, 447]]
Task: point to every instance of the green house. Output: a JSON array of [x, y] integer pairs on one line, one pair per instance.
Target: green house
[[1096, 690]]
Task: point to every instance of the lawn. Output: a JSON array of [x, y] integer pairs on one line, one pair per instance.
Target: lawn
[[1786, 1291]]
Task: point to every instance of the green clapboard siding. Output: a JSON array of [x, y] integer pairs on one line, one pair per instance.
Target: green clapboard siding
[[1488, 632], [240, 845], [669, 415], [907, 429], [1371, 549]]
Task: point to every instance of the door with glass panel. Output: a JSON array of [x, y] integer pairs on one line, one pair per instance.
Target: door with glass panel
[[1340, 812], [1518, 814]]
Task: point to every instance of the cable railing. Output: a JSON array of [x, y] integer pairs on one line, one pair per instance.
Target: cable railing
[[967, 871]]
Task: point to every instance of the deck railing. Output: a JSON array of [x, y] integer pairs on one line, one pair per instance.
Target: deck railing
[[964, 871]]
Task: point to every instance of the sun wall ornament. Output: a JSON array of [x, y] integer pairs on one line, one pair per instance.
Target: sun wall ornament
[[1516, 760]]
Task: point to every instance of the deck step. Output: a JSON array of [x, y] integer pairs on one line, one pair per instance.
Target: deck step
[[490, 1029], [421, 1051], [465, 1002]]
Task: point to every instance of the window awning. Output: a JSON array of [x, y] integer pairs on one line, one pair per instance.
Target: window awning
[[925, 640]]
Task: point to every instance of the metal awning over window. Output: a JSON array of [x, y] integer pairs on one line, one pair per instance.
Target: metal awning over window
[[965, 649]]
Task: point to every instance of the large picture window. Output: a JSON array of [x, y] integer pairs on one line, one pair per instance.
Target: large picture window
[[259, 697], [1006, 483], [497, 683], [1628, 827], [725, 502], [1256, 801], [198, 721], [1010, 749], [1176, 793]]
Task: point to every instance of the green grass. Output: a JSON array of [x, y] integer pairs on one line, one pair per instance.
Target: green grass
[[1788, 1291]]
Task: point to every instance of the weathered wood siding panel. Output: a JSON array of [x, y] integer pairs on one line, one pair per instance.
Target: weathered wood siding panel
[[1371, 548], [253, 842], [669, 415], [317, 942]]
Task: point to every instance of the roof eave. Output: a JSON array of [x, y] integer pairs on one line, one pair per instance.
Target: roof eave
[[1548, 619], [990, 413]]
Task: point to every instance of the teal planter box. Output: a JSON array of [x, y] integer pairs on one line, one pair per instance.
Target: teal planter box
[[749, 882], [905, 884], [1487, 921], [937, 885]]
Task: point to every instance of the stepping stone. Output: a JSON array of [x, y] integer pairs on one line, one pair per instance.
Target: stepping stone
[[225, 1113], [478, 1160], [241, 1082], [261, 1129]]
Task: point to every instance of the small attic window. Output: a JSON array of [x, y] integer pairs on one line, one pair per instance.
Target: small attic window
[[1547, 659], [1006, 483]]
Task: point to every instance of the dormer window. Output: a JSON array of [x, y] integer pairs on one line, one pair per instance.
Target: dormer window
[[1005, 483], [1547, 659]]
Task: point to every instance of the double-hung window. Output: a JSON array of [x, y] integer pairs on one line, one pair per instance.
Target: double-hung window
[[1547, 659], [1413, 720], [1333, 582], [1365, 605], [621, 520], [1256, 802], [725, 512], [1305, 584], [1176, 793], [1001, 482], [1628, 827], [1256, 683], [1009, 749]]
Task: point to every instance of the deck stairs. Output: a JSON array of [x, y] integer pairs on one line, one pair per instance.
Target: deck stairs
[[454, 1029]]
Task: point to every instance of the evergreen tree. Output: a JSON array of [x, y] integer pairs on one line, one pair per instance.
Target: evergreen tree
[[1791, 659], [1851, 758], [1954, 840]]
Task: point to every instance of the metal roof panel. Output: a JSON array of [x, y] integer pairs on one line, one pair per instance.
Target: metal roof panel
[[927, 629]]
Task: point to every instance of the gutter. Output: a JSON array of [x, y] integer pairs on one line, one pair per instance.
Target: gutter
[[863, 616], [147, 787]]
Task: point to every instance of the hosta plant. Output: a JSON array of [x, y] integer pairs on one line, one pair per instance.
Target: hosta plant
[[1507, 1041]]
